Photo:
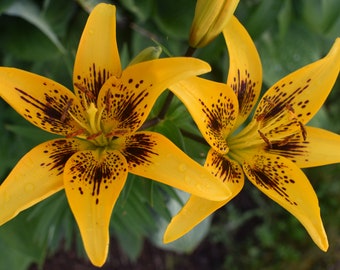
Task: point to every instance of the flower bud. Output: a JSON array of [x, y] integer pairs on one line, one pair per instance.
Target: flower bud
[[211, 16], [147, 54]]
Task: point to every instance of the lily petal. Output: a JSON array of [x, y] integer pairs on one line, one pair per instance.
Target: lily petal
[[93, 181], [212, 105], [97, 57], [41, 101], [245, 69], [197, 209], [301, 93], [37, 176], [321, 147], [282, 181], [153, 156], [129, 99]]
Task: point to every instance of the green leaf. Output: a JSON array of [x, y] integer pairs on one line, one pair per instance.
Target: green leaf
[[11, 258], [189, 241], [141, 9], [29, 11], [175, 19]]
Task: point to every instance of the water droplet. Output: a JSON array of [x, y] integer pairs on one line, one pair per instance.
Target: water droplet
[[182, 167], [199, 187]]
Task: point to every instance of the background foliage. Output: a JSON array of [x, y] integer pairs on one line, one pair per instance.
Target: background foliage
[[251, 232]]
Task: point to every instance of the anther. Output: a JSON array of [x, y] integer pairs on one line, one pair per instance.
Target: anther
[[87, 92], [303, 131], [263, 115], [93, 136], [64, 113], [75, 133], [116, 133], [291, 111], [266, 140]]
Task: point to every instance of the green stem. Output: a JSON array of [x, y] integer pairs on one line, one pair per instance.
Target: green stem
[[166, 105]]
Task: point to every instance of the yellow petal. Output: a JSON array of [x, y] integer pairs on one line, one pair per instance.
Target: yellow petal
[[153, 156], [210, 19], [37, 176], [40, 100], [282, 181], [197, 209], [129, 99], [93, 181], [213, 107], [97, 57], [245, 69], [321, 147], [300, 94]]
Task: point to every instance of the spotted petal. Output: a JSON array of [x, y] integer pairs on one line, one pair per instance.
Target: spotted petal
[[321, 147], [245, 69], [153, 156], [97, 57], [37, 176], [282, 181], [213, 107], [93, 181], [300, 94], [129, 99], [40, 100], [197, 209]]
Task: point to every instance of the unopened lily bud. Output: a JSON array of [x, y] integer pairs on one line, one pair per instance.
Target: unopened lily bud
[[147, 54], [211, 17]]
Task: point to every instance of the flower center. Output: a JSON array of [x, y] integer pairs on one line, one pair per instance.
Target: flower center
[[265, 132]]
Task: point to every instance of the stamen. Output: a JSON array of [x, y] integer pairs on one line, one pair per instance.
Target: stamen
[[93, 136], [64, 113], [303, 131], [75, 133], [291, 111], [116, 133], [262, 115], [285, 140], [87, 92], [266, 140]]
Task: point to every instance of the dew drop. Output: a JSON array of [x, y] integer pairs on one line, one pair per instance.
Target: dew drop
[[187, 179], [182, 167]]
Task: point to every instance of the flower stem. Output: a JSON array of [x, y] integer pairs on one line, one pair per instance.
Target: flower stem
[[166, 105]]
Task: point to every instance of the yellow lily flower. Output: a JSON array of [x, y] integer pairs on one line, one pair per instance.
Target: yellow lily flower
[[100, 122], [273, 147], [210, 19]]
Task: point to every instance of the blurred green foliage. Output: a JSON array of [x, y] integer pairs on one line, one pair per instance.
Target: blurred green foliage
[[252, 232]]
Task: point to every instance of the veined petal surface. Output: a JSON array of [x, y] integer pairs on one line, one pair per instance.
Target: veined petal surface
[[153, 156], [282, 181], [321, 147], [197, 209], [212, 105], [93, 181], [245, 69], [97, 57], [36, 176], [129, 99], [300, 94], [41, 101]]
